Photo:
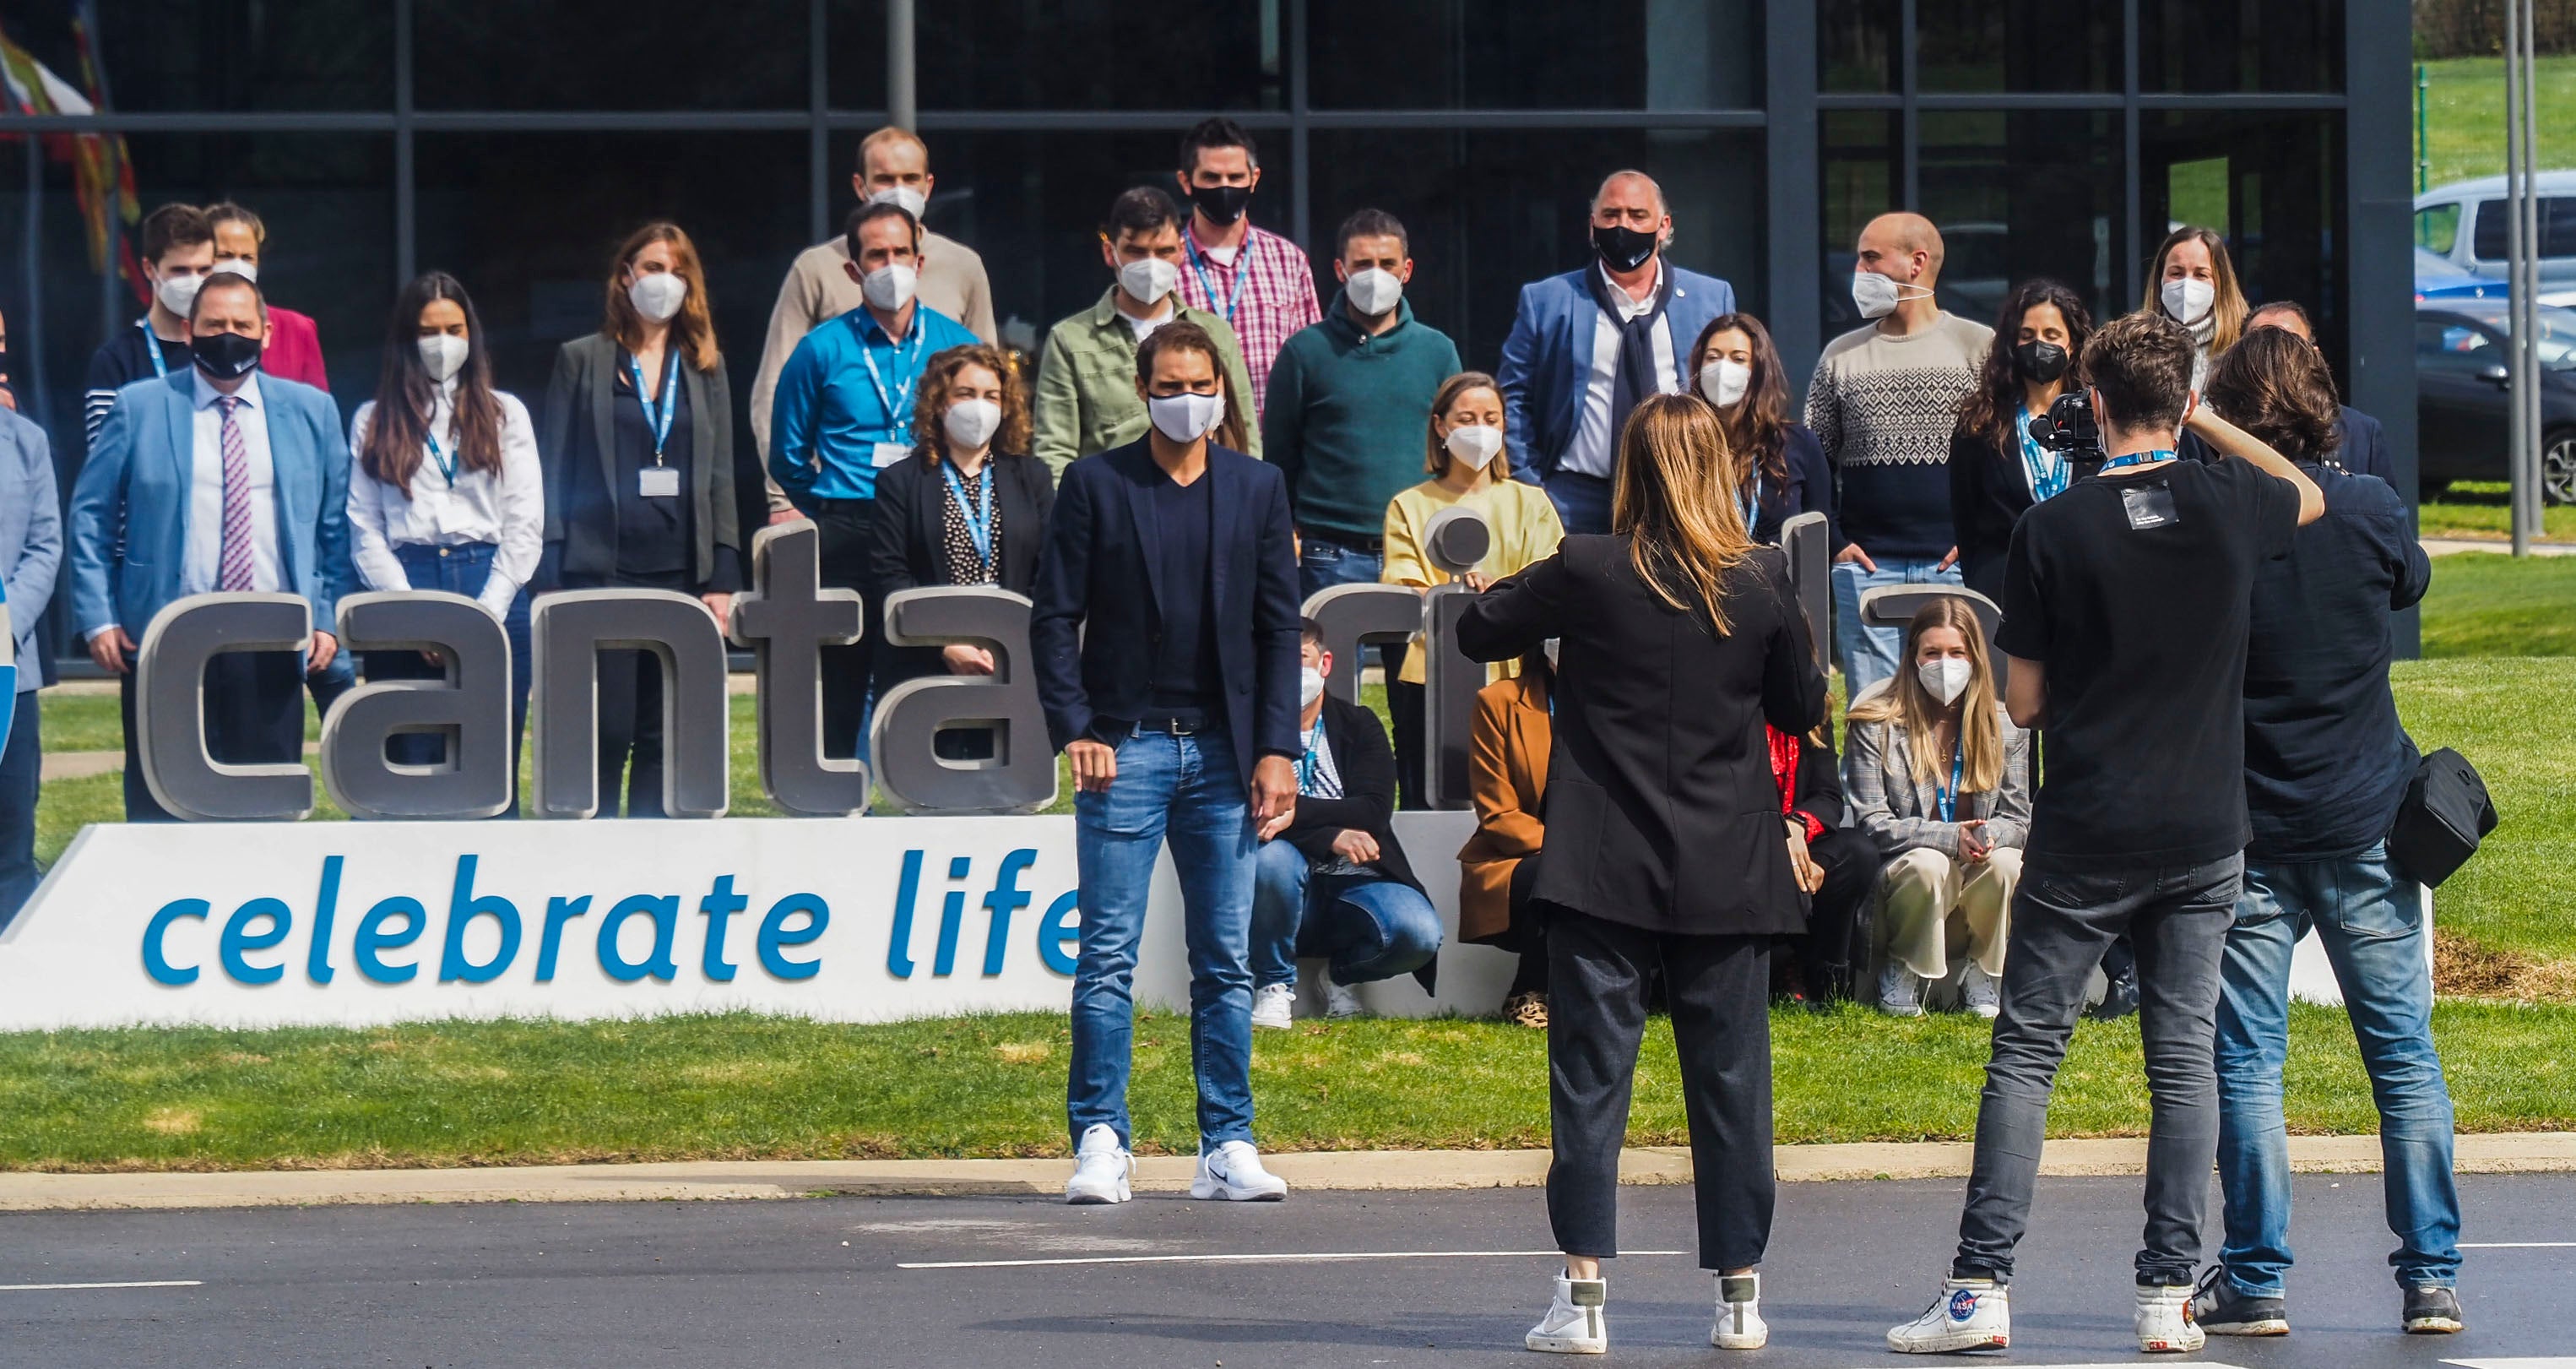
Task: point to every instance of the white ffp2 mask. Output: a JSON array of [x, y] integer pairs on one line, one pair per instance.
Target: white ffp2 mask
[[1474, 443], [657, 296], [2187, 300], [1945, 679], [902, 197], [1723, 381], [890, 287], [1186, 418], [1374, 291], [177, 293], [1147, 279], [1310, 687], [970, 423], [443, 355]]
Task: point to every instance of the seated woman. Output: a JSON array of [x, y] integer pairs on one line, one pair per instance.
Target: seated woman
[[1507, 777], [1330, 880], [1938, 777], [1836, 865]]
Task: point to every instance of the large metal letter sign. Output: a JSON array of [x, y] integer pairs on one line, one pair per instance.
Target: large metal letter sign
[[1456, 540], [787, 619], [470, 706], [1811, 568], [570, 631], [169, 683], [1352, 614], [1020, 776]]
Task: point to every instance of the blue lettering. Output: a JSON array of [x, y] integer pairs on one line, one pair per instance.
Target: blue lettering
[[1059, 930], [952, 910], [1006, 898], [558, 912], [161, 970], [899, 946], [317, 956], [774, 935], [665, 911], [372, 939], [463, 907], [237, 940], [720, 904]]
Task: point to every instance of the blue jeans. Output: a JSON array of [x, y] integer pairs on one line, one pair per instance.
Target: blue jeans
[[2371, 921], [22, 765], [1184, 789], [1868, 654], [1371, 929], [1323, 563], [1582, 501], [462, 570]]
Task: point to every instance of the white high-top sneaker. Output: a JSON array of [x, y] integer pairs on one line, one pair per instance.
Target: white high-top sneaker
[[2164, 1320], [1101, 1168], [1739, 1314], [1274, 1007], [1233, 1172], [1970, 1314], [1575, 1323]]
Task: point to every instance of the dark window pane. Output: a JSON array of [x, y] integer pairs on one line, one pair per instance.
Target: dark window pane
[[222, 55], [1863, 172], [2016, 45], [1615, 54], [2557, 229], [1490, 211], [2240, 45], [1068, 54], [2022, 195], [601, 54], [2273, 184], [1856, 45]]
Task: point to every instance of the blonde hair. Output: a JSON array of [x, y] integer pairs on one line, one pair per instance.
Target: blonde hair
[[1905, 703], [1671, 499], [2226, 298], [890, 134], [1435, 452]]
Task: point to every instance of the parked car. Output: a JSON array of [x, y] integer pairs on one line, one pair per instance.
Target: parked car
[[2464, 224], [2437, 278], [2461, 382]]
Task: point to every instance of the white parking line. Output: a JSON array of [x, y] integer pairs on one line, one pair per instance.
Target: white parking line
[[137, 1283], [1285, 1258], [2550, 1362], [2520, 1245]]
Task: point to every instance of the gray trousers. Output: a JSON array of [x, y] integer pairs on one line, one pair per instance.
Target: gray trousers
[[2062, 921]]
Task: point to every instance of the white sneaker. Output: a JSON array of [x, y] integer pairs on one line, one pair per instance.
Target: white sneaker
[[1739, 1314], [2164, 1320], [1101, 1168], [1970, 1314], [1340, 1002], [1233, 1172], [1575, 1323], [1272, 1006], [1979, 990], [1900, 991]]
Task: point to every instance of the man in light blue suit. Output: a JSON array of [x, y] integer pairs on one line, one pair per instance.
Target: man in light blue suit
[[31, 552], [1587, 345], [214, 479]]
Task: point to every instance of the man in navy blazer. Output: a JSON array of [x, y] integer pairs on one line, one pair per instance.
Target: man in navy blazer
[[213, 479], [1587, 345], [1166, 635]]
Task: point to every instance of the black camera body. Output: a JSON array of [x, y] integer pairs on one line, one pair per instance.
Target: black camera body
[[2068, 429]]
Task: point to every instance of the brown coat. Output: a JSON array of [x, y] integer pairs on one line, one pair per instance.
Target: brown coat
[[1507, 768]]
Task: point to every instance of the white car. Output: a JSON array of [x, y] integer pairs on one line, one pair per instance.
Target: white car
[[2464, 224]]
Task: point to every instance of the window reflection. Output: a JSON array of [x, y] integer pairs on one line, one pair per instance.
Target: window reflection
[[1613, 54], [2240, 45], [2016, 45], [607, 54], [2021, 195]]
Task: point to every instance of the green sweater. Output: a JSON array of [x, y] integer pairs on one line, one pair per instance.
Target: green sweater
[[1350, 414]]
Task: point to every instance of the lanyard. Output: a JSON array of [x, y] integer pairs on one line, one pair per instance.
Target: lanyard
[[1306, 763], [659, 420], [898, 403], [2047, 470], [160, 363], [979, 529], [1752, 502], [1949, 798], [2137, 459], [1190, 241], [446, 462]]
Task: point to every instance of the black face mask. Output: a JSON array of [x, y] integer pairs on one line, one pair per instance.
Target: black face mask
[[1622, 248], [2039, 361], [225, 356], [1221, 203]]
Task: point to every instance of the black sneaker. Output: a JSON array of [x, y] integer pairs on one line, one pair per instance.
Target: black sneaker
[[2119, 998], [2222, 1311], [2432, 1310]]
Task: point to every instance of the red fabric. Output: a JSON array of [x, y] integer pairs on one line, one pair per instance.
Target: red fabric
[[1784, 775], [294, 350]]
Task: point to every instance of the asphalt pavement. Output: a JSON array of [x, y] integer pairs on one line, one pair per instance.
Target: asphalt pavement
[[1452, 1278]]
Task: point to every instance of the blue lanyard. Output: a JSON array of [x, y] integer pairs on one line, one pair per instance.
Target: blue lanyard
[[2137, 459], [898, 403], [1190, 241], [1752, 502], [2048, 471], [1306, 763], [659, 420], [1949, 798], [439, 454], [160, 364], [979, 529]]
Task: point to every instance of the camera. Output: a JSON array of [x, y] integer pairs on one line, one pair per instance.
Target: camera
[[2068, 428]]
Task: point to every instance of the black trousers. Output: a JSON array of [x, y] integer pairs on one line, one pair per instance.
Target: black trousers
[[1527, 934], [1405, 707], [1596, 1011], [1837, 931], [841, 528], [254, 702], [22, 771], [630, 709]]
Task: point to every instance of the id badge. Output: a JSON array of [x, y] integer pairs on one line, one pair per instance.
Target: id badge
[[887, 453], [2149, 506], [658, 482]]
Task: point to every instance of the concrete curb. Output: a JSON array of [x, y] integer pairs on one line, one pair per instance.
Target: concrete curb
[[2507, 1153]]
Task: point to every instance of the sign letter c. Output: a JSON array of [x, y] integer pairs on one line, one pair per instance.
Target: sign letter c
[[154, 964]]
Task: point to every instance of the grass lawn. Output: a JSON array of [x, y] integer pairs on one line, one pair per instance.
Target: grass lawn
[[2482, 509], [739, 1087], [2487, 605], [2464, 116], [2510, 717]]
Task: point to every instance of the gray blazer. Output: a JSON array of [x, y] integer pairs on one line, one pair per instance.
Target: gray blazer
[[580, 425], [1901, 816], [31, 534]]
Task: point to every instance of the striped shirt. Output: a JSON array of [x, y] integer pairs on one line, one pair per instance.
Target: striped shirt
[[1271, 288], [122, 360]]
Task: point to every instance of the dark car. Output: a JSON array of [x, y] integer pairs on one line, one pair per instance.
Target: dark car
[[2460, 387]]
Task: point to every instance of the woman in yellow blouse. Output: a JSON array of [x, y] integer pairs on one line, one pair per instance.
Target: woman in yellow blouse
[[1464, 457]]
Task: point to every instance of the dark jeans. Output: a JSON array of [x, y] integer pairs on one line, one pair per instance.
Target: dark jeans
[[1405, 708], [1582, 502], [1326, 559], [1837, 915], [2178, 917], [841, 526], [459, 570], [630, 711], [254, 710], [22, 772], [1596, 1011]]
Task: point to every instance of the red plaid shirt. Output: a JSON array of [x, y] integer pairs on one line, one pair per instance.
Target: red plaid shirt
[[1272, 289]]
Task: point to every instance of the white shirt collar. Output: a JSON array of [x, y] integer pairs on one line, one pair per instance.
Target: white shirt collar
[[207, 394], [1629, 308]]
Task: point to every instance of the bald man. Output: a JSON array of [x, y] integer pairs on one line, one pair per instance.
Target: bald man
[[1884, 400], [1587, 345]]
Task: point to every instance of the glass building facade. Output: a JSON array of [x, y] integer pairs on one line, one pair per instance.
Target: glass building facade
[[513, 142]]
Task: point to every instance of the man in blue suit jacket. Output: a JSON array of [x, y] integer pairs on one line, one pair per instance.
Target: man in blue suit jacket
[[214, 479], [31, 552], [1587, 345], [1166, 636]]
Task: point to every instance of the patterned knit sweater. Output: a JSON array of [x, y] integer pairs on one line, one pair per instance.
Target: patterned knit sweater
[[1884, 408]]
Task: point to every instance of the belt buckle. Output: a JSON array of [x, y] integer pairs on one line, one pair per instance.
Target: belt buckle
[[1182, 727]]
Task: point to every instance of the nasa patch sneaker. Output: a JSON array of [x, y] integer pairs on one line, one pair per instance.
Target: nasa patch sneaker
[[1576, 1323], [2164, 1320], [1233, 1172], [1970, 1314], [1739, 1314], [1273, 1005], [1102, 1168]]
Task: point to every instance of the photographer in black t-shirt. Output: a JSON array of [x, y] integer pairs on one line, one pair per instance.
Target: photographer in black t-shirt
[[2125, 605]]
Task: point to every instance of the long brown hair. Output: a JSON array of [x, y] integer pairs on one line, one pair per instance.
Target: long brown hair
[[930, 409], [1907, 704], [405, 395], [693, 329], [1757, 428], [2226, 297], [1435, 451], [1989, 408], [1666, 500], [1182, 335], [2275, 386]]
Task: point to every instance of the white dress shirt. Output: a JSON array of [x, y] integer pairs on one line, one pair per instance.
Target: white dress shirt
[[201, 562], [1595, 449], [507, 510]]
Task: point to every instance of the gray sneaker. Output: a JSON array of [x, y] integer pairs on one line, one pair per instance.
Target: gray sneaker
[[1900, 991], [2222, 1311], [2432, 1309]]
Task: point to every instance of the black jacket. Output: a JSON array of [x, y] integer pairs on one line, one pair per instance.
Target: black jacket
[[1989, 492], [905, 550], [575, 445], [1810, 490], [1661, 776]]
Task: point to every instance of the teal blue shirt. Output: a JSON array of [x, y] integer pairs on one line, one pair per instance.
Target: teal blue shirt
[[832, 410], [1349, 414]]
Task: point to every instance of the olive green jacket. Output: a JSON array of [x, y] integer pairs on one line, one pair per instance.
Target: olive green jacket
[[1087, 383]]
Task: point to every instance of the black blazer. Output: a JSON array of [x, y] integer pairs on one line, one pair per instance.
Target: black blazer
[[1661, 773], [1099, 601], [1366, 764], [576, 438], [1810, 490], [1989, 492], [905, 550]]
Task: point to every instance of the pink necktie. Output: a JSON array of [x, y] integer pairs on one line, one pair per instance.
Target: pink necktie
[[235, 573]]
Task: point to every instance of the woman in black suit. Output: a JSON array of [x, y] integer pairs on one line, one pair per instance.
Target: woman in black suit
[[1781, 467], [637, 447], [968, 507], [1679, 638], [1996, 470]]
